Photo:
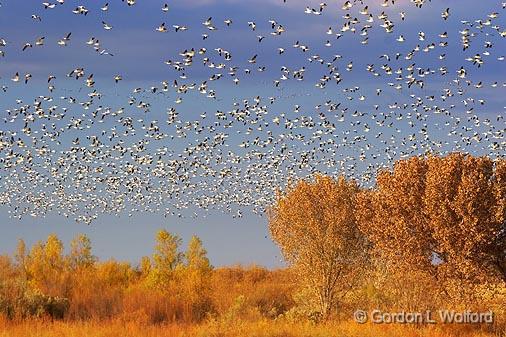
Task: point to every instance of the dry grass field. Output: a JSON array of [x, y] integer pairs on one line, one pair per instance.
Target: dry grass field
[[261, 328]]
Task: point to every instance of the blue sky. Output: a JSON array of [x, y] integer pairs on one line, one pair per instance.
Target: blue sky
[[139, 55]]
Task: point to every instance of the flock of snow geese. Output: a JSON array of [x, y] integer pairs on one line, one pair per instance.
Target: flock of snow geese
[[224, 131]]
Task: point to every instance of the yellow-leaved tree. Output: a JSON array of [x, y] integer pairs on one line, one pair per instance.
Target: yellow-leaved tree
[[81, 252], [166, 259], [196, 280], [314, 225], [46, 267]]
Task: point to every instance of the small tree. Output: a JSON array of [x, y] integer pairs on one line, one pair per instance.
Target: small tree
[[165, 259], [314, 224], [20, 256], [196, 279], [80, 252], [46, 267], [196, 256], [145, 266]]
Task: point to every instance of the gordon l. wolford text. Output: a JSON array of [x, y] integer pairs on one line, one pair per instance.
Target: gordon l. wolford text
[[429, 316]]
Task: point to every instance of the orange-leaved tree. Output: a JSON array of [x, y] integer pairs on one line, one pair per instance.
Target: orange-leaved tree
[[442, 215], [314, 225]]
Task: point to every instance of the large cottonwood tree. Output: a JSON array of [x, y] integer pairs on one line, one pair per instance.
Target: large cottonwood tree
[[314, 225], [444, 215]]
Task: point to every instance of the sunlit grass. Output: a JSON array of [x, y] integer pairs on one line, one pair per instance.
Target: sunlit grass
[[242, 328]]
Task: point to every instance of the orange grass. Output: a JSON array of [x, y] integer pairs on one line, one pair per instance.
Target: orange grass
[[260, 328]]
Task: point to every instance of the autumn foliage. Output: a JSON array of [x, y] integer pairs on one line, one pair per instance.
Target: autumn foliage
[[315, 226], [170, 286], [432, 225], [430, 235], [445, 216]]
